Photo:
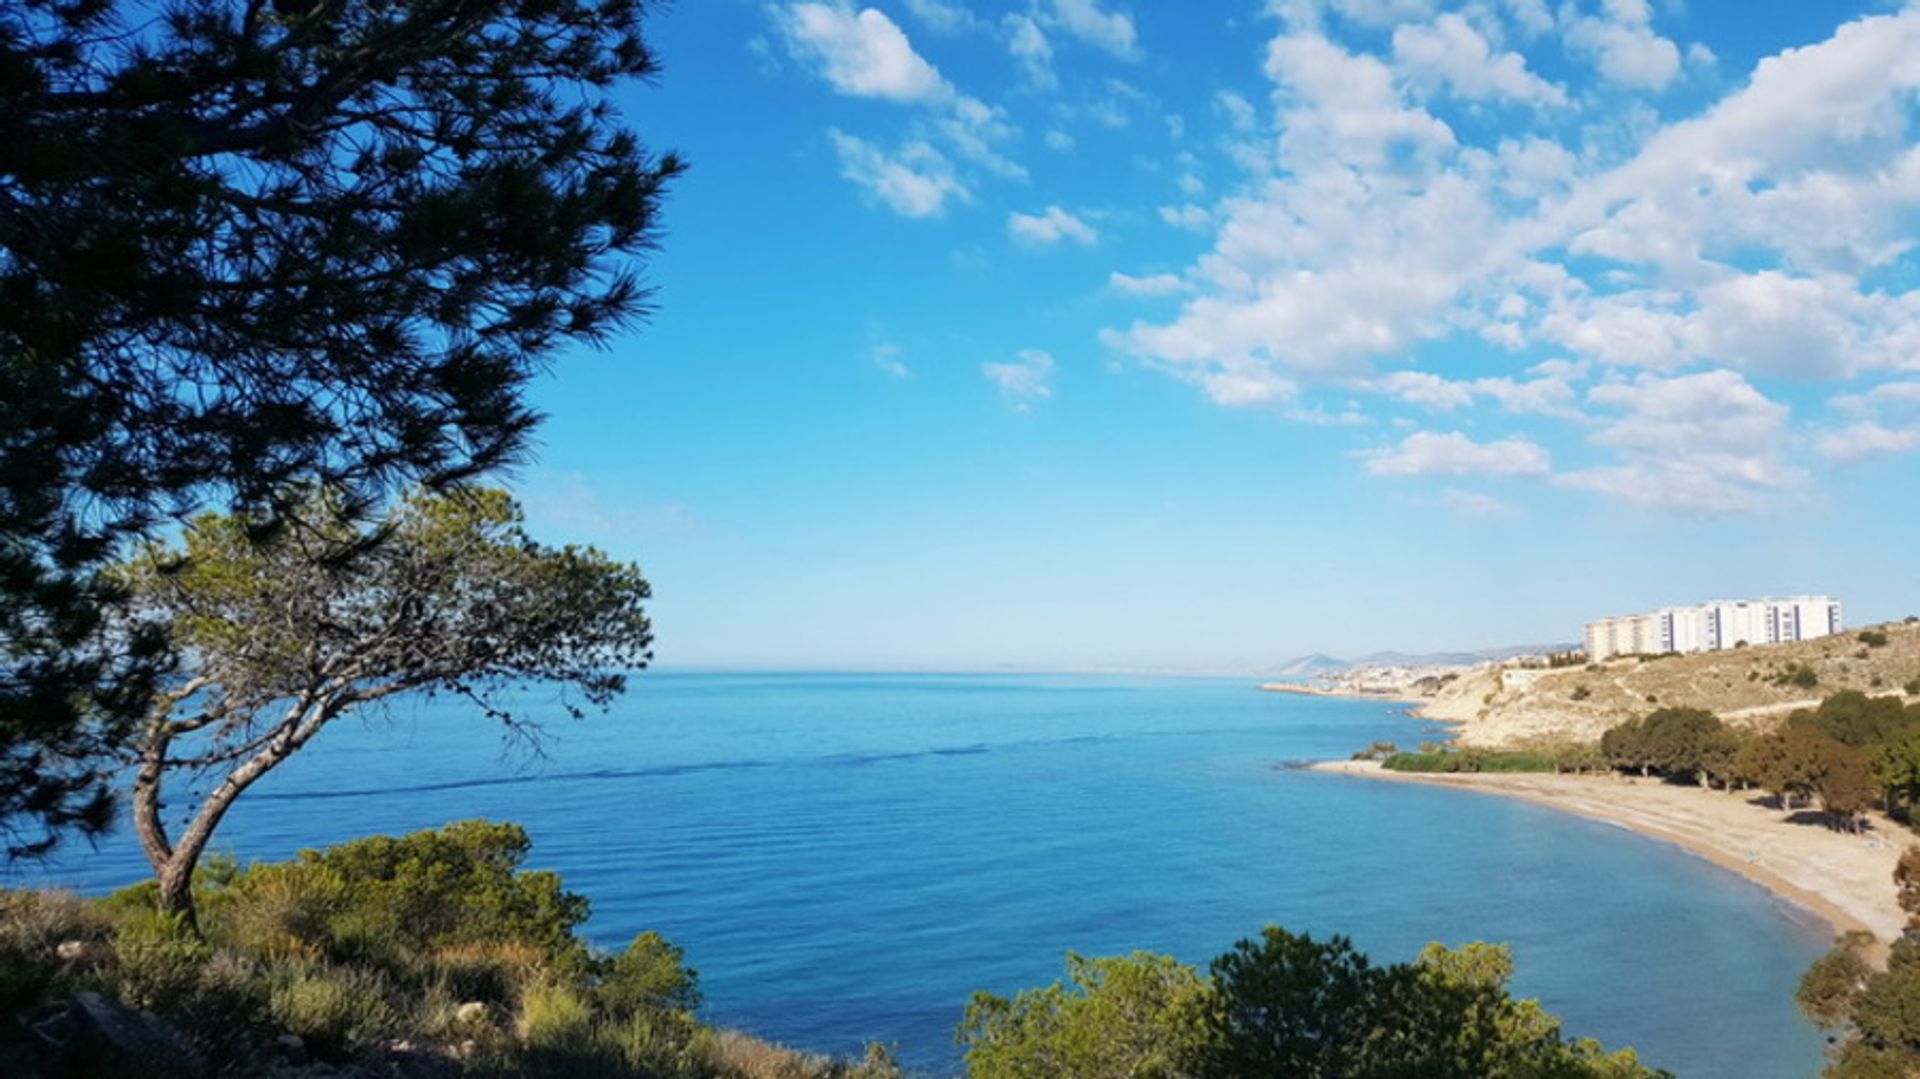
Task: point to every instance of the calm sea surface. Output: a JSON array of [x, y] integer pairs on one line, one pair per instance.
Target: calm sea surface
[[846, 858]]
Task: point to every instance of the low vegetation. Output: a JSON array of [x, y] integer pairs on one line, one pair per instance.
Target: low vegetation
[[1567, 757], [433, 953], [1282, 1005], [1872, 1012]]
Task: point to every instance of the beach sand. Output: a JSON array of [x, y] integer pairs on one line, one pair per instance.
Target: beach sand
[[1845, 879]]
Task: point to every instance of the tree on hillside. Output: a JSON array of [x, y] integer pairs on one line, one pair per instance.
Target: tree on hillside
[[1625, 746], [248, 246], [285, 636], [1856, 719], [1844, 781], [1682, 741], [1785, 762]]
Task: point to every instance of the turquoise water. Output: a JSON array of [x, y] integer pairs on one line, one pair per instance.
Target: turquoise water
[[846, 858]]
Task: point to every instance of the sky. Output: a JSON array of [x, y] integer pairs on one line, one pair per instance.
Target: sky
[[1081, 334]]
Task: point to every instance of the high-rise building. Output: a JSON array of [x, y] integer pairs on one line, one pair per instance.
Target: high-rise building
[[1717, 624]]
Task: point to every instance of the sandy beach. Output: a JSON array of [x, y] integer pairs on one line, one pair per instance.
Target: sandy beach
[[1845, 879]]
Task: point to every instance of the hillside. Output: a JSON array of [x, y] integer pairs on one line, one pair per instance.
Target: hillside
[[1498, 706]]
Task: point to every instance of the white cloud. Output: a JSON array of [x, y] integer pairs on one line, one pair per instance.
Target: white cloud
[[863, 54], [1866, 439], [1346, 106], [1025, 380], [1549, 393], [916, 182], [886, 356], [1028, 46], [1451, 53], [1427, 389], [1706, 442], [1162, 284], [1050, 227], [1769, 235], [1191, 217], [1238, 110], [940, 16], [1427, 453], [1625, 48], [1382, 13], [1060, 141], [1108, 30]]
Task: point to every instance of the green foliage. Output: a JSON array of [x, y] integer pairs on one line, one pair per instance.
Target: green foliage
[[394, 902], [1874, 638], [158, 960], [1906, 878], [1134, 1016], [1878, 1012], [1474, 759], [1857, 719], [249, 245], [1799, 675], [1830, 988], [1287, 1005], [650, 975], [1580, 693], [1282, 1005], [338, 1011], [285, 635], [1912, 688]]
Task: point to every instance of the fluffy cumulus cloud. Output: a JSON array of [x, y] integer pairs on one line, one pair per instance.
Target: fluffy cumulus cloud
[[1026, 379], [1428, 453], [1701, 442], [1624, 47], [1049, 227], [861, 53], [1451, 53], [1676, 262]]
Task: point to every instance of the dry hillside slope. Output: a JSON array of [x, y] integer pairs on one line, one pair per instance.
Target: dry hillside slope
[[1749, 686]]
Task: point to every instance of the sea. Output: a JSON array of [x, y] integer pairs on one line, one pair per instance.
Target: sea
[[846, 858]]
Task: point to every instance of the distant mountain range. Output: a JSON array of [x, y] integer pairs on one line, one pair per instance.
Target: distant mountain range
[[1320, 663]]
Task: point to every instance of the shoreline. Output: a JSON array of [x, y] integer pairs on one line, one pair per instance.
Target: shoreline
[[1846, 881], [1305, 690]]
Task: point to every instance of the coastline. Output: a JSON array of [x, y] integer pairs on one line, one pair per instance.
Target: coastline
[[1305, 690], [1847, 881]]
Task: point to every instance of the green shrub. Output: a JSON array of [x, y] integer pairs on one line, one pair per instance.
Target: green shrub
[[555, 1017], [157, 962], [648, 976], [336, 1010], [1473, 760], [394, 902], [1580, 693], [1874, 638], [1912, 688]]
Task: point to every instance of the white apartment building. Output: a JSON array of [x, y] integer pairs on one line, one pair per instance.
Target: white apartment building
[[1717, 624]]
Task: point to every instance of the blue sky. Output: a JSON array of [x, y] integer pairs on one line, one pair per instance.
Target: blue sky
[[1067, 334]]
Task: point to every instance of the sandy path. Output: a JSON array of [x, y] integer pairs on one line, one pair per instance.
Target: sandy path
[[1845, 879]]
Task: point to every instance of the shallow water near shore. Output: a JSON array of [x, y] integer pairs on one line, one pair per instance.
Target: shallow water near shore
[[846, 858]]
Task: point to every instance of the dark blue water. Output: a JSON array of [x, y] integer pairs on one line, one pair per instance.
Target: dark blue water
[[846, 858]]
